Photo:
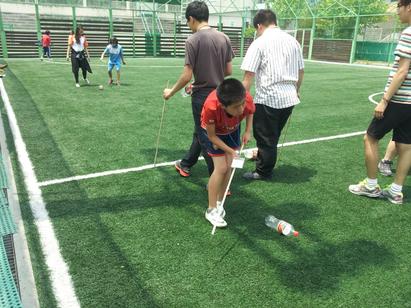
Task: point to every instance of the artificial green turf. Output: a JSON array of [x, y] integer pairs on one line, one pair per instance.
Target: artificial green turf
[[87, 130], [40, 271], [140, 239]]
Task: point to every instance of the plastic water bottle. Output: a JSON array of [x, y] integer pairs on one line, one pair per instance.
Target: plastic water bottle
[[187, 90], [280, 226]]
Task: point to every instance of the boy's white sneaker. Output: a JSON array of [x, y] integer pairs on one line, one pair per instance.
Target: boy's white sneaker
[[215, 219], [77, 85], [87, 81], [220, 209]]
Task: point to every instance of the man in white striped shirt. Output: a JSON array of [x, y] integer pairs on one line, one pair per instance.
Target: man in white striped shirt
[[275, 60], [393, 112]]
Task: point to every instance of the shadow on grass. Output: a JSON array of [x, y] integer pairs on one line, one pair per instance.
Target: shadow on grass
[[323, 268], [287, 174], [253, 217], [99, 264], [320, 267], [36, 129], [293, 174], [163, 155], [198, 171]]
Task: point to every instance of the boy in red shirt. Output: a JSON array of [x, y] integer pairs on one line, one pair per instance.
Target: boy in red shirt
[[221, 116], [46, 43]]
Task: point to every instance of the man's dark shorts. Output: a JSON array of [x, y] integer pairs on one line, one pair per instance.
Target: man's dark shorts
[[397, 117]]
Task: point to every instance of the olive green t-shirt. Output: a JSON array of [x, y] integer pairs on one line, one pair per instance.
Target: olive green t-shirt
[[208, 51]]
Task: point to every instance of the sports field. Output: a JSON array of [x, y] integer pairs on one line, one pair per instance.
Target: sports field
[[140, 239]]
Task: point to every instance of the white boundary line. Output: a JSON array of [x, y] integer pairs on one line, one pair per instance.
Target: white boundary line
[[152, 166], [349, 64], [234, 65], [126, 65], [371, 97], [59, 275], [29, 296], [95, 60], [104, 173]]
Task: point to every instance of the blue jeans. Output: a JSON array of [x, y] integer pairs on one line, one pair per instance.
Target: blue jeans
[[46, 52], [199, 143]]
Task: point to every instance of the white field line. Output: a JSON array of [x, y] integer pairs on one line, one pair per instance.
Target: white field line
[[29, 295], [101, 64], [152, 166], [371, 97], [234, 65], [60, 278], [93, 63], [104, 173], [348, 64]]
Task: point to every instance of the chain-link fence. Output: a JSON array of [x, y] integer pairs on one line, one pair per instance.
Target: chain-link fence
[[141, 31], [159, 29], [377, 39], [368, 38]]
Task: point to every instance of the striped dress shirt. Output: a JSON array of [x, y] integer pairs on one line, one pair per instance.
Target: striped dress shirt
[[403, 50], [275, 58]]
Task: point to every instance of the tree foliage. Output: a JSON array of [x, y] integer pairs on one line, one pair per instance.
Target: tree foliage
[[334, 19], [249, 32]]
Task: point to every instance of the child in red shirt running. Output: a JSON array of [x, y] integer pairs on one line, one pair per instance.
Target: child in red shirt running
[[46, 43], [221, 116]]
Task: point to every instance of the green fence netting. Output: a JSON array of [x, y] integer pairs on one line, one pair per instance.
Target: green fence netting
[[9, 296]]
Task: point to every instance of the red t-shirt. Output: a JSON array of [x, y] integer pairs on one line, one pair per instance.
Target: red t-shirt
[[213, 113], [45, 40]]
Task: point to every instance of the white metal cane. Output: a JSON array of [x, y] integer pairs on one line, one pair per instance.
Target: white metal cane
[[161, 125], [228, 187]]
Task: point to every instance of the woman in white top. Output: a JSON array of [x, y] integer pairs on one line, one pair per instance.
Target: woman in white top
[[79, 55]]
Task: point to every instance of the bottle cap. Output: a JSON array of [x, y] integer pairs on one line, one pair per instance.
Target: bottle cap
[[296, 233]]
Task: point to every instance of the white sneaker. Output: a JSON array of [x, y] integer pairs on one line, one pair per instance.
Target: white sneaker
[[384, 166], [77, 85], [220, 209], [396, 198], [362, 189], [215, 219], [87, 81]]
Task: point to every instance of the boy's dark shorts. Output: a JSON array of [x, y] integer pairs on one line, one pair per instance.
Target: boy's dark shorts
[[397, 117], [232, 140]]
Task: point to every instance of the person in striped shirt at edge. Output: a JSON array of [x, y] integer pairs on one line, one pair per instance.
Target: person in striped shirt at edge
[[275, 60], [393, 112]]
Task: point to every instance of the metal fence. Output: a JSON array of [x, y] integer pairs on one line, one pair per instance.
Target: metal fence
[[140, 32], [162, 31], [370, 38]]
